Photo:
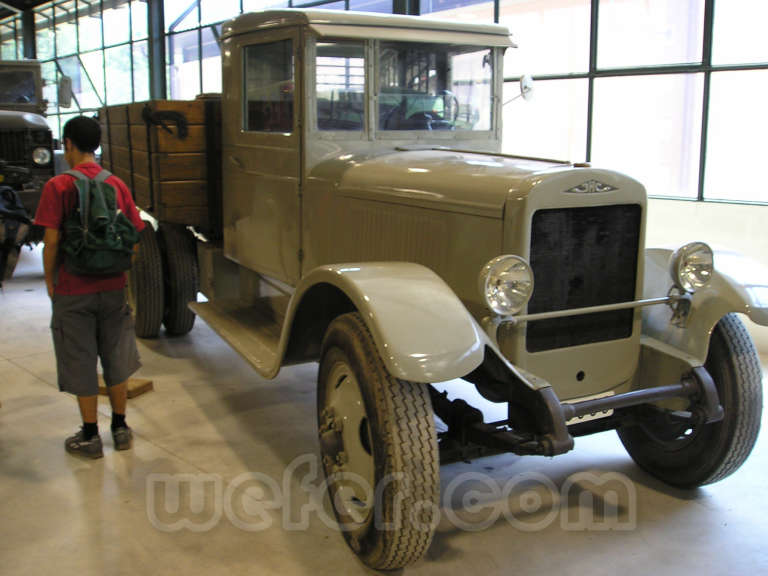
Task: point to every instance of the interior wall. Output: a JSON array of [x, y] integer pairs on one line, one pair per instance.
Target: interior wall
[[741, 228]]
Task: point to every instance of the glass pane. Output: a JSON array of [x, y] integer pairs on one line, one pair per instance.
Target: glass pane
[[552, 37], [739, 34], [218, 10], [44, 34], [139, 19], [180, 15], [66, 31], [736, 136], [256, 5], [89, 25], [650, 128], [340, 80], [116, 24], [53, 123], [434, 87], [183, 56], [464, 10], [84, 87], [553, 124], [269, 87], [94, 65], [211, 60], [381, 6], [17, 87], [140, 71], [9, 45], [340, 5], [118, 67], [649, 32]]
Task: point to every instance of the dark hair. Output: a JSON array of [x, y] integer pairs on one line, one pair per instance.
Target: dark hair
[[84, 132]]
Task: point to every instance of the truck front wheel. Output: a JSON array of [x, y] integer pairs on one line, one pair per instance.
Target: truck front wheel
[[690, 455], [379, 449]]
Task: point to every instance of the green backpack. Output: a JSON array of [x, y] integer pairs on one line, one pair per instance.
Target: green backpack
[[98, 238]]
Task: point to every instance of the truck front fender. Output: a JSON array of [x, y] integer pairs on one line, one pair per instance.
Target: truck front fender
[[738, 284], [421, 329]]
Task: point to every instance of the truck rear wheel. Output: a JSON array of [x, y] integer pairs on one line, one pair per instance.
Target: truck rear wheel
[[687, 455], [181, 278], [379, 448], [145, 285]]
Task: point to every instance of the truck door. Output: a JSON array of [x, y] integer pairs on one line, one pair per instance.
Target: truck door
[[261, 152]]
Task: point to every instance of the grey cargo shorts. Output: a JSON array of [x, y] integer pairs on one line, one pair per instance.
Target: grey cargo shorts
[[90, 326]]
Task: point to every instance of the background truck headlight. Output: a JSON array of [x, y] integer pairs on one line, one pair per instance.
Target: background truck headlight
[[506, 284], [41, 156]]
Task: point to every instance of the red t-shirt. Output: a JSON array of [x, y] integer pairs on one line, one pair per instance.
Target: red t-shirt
[[58, 200]]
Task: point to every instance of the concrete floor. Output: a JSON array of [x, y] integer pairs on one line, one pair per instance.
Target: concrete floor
[[212, 417]]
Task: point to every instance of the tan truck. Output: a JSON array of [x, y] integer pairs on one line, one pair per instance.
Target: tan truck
[[355, 210]]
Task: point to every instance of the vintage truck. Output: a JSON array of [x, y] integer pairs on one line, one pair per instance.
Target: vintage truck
[[26, 145], [346, 202]]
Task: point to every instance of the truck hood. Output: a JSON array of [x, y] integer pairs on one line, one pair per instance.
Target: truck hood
[[13, 120], [439, 179]]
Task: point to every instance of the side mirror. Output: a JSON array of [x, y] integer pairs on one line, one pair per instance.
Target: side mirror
[[526, 87], [65, 92]]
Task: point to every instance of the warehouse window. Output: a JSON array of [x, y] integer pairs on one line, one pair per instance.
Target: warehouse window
[[101, 46], [268, 86], [668, 91], [11, 41]]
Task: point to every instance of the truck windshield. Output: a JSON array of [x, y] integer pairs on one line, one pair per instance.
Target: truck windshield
[[17, 87], [435, 87]]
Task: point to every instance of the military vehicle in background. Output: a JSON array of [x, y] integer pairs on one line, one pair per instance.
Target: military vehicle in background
[[26, 144]]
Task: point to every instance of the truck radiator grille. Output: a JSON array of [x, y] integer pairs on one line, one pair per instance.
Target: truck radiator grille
[[13, 146], [583, 257]]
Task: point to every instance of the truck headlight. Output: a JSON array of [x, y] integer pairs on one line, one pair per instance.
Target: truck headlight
[[506, 284], [691, 266], [41, 156]]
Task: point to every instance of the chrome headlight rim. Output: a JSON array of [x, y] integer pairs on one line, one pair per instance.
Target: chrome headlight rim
[[691, 266], [511, 298], [41, 156]]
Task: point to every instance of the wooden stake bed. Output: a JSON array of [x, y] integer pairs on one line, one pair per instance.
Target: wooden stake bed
[[168, 152]]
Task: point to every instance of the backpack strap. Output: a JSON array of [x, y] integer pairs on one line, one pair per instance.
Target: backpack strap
[[83, 196], [102, 176], [77, 174]]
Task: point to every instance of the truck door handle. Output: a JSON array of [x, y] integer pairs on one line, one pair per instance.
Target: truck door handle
[[237, 162]]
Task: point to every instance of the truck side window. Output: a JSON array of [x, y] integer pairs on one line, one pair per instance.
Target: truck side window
[[268, 87], [340, 81]]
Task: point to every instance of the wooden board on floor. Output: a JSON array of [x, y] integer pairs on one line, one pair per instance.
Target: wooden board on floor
[[136, 386]]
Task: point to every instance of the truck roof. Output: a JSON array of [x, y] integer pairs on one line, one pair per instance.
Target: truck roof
[[361, 25]]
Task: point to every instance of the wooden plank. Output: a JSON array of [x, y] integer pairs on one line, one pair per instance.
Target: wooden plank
[[135, 386], [121, 159], [183, 193], [187, 215], [193, 110], [117, 114], [166, 167], [118, 135], [141, 192]]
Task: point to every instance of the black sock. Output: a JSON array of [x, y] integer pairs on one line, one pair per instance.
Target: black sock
[[90, 429], [118, 421]]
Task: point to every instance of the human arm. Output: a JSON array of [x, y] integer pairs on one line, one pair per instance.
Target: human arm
[[50, 256]]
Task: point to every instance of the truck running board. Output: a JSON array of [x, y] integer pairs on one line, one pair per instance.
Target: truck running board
[[253, 330]]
